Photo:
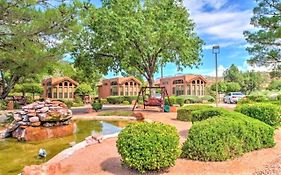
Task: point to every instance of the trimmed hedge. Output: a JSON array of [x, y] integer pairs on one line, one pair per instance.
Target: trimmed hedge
[[225, 137], [96, 106], [191, 99], [115, 99], [184, 113], [265, 112], [130, 98], [258, 98], [208, 98], [148, 146], [206, 113], [126, 103]]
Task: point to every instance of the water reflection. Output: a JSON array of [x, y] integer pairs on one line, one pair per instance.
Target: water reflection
[[15, 155]]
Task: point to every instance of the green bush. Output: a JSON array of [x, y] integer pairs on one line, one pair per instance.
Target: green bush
[[208, 98], [191, 99], [266, 112], [126, 103], [96, 106], [103, 101], [130, 98], [148, 146], [17, 105], [279, 97], [68, 103], [173, 100], [115, 99], [3, 105], [29, 99], [258, 98], [244, 101], [180, 101], [184, 113], [206, 113], [225, 137], [77, 104], [78, 100]]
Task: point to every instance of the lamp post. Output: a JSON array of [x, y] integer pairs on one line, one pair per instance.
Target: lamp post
[[216, 51]]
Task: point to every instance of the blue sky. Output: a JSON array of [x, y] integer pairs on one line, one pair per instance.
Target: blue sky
[[219, 22]]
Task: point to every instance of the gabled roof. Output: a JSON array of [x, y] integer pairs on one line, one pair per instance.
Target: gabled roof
[[126, 79], [57, 80]]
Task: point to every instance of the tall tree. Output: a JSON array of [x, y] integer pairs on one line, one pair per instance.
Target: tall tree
[[251, 81], [265, 42], [232, 74], [140, 35], [31, 34]]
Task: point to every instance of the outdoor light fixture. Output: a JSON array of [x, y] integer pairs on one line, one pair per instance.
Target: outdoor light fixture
[[216, 51]]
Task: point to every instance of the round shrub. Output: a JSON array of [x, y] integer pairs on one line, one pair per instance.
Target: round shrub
[[225, 137], [208, 98], [265, 112], [148, 146], [126, 103], [68, 103], [96, 106], [184, 113], [206, 113], [103, 101], [180, 101], [115, 99]]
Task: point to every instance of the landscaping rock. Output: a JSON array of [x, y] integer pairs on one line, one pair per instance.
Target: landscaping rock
[[40, 114]]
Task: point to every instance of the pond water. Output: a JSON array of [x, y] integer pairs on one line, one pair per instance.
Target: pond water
[[15, 155]]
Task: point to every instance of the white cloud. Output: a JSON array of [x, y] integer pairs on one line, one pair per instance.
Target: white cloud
[[220, 22], [221, 69], [248, 67], [222, 45]]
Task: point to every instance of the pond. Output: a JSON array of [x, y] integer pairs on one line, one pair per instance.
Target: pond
[[15, 155]]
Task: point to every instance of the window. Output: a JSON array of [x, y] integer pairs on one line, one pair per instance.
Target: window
[[131, 83], [49, 84], [135, 84], [188, 92], [113, 91], [126, 84], [70, 84], [174, 90], [49, 92], [113, 83], [60, 84], [178, 82], [55, 93], [179, 90], [70, 95], [65, 83], [60, 92]]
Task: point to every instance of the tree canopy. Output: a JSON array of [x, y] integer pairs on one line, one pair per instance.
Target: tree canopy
[[232, 74], [265, 43], [31, 34], [139, 35]]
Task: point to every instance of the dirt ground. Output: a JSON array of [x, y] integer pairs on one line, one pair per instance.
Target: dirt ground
[[102, 159]]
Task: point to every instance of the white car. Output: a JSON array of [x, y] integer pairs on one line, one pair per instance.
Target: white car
[[233, 97]]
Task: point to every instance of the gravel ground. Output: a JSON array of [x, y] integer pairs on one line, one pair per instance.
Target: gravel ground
[[274, 168]]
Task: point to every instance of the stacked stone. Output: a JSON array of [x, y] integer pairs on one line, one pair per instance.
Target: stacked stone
[[45, 114]]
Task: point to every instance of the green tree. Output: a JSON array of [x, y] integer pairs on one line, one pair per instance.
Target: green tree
[[33, 88], [140, 35], [83, 89], [275, 85], [265, 44], [232, 74], [31, 38], [222, 87], [233, 87], [251, 81]]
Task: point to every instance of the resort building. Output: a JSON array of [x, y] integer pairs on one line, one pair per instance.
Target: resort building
[[59, 88], [121, 86], [184, 85]]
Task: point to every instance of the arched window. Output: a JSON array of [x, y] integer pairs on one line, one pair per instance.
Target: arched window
[[126, 83], [178, 82], [60, 84], [70, 84], [113, 83], [131, 83], [65, 83]]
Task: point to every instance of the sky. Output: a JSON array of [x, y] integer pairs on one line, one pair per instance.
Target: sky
[[218, 22]]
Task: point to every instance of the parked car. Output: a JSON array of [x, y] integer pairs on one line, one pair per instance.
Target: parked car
[[233, 97]]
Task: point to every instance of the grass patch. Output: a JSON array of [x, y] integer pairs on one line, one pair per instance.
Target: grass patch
[[116, 113]]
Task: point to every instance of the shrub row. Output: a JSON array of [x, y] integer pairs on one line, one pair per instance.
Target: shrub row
[[266, 112], [225, 137], [120, 99], [184, 113], [148, 146]]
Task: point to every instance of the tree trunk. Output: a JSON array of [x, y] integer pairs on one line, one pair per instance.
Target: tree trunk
[[7, 89]]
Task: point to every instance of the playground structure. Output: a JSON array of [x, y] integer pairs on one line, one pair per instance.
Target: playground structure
[[152, 99]]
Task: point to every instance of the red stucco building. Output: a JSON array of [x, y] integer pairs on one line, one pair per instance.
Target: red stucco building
[[184, 85], [120, 86], [59, 88]]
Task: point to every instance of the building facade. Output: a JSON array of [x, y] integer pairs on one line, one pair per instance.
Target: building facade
[[184, 85], [59, 88], [121, 86]]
